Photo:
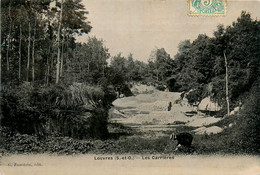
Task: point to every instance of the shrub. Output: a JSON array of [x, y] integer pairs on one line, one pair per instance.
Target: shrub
[[195, 95], [243, 136], [249, 122], [77, 110]]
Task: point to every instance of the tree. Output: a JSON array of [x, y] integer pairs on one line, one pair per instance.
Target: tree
[[130, 67], [9, 37], [59, 49], [119, 66], [87, 62], [30, 33], [227, 95], [20, 53], [228, 61], [72, 21], [1, 65], [159, 62], [239, 44], [29, 52]]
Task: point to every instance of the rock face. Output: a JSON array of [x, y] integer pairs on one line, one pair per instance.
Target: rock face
[[207, 105], [151, 111], [198, 121], [209, 130], [236, 109]]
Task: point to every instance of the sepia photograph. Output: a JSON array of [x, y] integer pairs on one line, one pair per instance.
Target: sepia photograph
[[154, 87]]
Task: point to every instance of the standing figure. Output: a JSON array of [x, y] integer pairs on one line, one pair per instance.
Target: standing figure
[[170, 106]]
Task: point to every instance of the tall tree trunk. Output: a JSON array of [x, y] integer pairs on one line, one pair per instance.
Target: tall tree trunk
[[66, 54], [157, 74], [48, 66], [9, 39], [103, 69], [20, 54], [59, 49], [88, 68], [0, 66], [29, 51], [33, 53], [227, 96], [52, 61], [7, 53], [62, 58], [48, 71]]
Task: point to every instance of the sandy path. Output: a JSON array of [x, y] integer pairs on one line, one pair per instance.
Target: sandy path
[[86, 164]]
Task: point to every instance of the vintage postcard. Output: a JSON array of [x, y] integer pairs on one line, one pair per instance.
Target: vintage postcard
[[129, 87]]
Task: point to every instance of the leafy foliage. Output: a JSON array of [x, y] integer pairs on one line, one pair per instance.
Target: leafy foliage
[[201, 63], [77, 110], [30, 30], [44, 115]]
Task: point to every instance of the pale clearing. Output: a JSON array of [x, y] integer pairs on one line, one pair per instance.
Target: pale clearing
[[147, 111]]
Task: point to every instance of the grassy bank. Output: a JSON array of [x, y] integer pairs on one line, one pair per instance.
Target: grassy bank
[[125, 144]]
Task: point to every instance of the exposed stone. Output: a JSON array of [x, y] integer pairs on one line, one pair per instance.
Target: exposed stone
[[198, 121], [235, 110], [209, 130], [207, 105]]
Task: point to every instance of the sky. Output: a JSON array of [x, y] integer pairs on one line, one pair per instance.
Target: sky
[[141, 26]]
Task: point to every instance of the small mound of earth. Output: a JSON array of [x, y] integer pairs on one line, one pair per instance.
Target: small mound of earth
[[209, 130]]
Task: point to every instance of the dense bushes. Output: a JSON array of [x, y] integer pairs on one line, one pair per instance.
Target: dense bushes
[[244, 134], [78, 110], [248, 123], [17, 143], [200, 63], [196, 95]]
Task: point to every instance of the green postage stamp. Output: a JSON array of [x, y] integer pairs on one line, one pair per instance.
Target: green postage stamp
[[207, 7]]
